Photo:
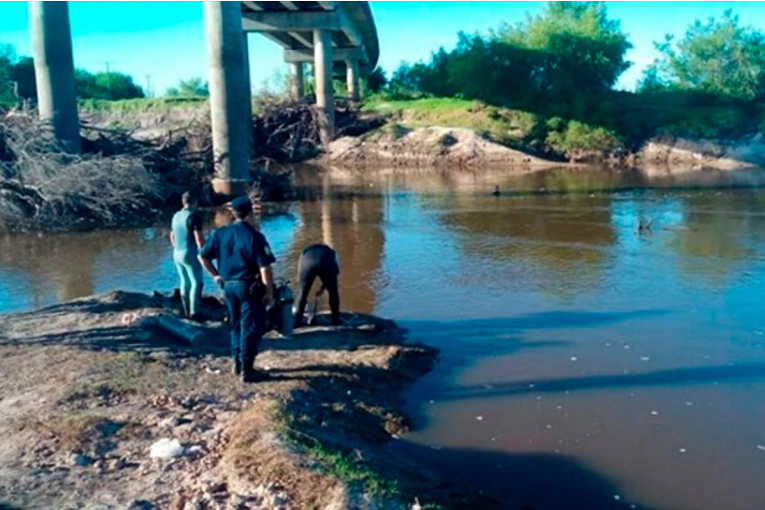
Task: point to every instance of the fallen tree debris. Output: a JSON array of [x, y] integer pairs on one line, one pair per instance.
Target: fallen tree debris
[[122, 180]]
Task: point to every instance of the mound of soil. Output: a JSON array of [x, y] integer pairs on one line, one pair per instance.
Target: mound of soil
[[433, 147]]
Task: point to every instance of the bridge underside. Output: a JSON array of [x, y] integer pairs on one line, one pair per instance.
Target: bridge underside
[[291, 25], [335, 37]]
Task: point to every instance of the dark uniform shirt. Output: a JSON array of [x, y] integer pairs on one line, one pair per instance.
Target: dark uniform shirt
[[240, 251]]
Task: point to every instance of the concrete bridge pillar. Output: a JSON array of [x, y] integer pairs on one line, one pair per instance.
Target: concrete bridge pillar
[[325, 100], [297, 87], [248, 88], [352, 79], [54, 71], [228, 94]]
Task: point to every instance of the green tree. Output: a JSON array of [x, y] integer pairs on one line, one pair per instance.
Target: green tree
[[7, 61], [24, 76], [376, 80], [563, 61], [193, 87], [718, 57], [111, 86], [579, 49]]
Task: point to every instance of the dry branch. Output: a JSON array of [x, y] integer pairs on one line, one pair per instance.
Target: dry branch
[[120, 179]]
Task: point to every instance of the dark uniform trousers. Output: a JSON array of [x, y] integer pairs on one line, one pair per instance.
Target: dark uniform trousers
[[241, 251], [318, 260], [247, 320]]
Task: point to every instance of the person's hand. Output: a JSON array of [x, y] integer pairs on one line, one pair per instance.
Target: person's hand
[[268, 298], [219, 280]]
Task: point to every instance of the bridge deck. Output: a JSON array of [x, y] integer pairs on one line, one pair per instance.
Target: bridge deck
[[291, 25]]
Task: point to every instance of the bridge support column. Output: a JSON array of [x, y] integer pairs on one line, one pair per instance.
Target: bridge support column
[[352, 79], [297, 79], [325, 99], [228, 94], [248, 88], [54, 71]]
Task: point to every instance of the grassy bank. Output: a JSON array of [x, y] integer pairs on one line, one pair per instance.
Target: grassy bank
[[513, 128], [622, 123]]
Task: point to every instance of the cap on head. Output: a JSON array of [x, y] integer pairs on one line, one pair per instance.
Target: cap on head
[[241, 207]]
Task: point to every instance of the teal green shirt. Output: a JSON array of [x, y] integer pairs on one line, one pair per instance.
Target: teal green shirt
[[185, 222]]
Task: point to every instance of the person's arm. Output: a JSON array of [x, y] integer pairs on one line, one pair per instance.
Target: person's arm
[[171, 237], [207, 253], [211, 270], [199, 237], [264, 257], [195, 225], [266, 274]]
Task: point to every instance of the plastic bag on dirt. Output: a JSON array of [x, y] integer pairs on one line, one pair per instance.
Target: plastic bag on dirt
[[166, 449]]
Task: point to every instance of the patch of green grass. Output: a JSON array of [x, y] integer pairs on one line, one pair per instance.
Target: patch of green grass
[[142, 104], [337, 463], [501, 125], [343, 467]]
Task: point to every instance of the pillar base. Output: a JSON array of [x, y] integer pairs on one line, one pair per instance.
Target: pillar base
[[230, 187]]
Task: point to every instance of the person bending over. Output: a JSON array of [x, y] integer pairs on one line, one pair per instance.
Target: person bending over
[[322, 261], [243, 270], [186, 238]]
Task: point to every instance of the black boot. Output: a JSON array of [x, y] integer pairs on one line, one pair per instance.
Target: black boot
[[253, 376], [236, 367]]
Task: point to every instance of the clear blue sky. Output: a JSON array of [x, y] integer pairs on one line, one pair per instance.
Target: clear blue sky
[[165, 40]]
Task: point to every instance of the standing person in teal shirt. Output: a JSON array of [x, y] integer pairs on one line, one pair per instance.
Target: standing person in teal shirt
[[186, 237]]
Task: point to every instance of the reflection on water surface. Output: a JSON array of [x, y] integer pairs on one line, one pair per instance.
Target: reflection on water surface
[[585, 362]]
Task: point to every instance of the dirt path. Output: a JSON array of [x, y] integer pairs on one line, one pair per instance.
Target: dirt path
[[83, 398]]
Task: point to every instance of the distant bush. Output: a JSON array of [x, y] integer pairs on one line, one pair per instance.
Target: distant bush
[[572, 136]]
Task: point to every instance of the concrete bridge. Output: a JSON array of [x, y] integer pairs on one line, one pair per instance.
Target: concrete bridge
[[337, 38]]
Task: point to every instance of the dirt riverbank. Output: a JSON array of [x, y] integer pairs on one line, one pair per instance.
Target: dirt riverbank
[[84, 397], [446, 148], [395, 145]]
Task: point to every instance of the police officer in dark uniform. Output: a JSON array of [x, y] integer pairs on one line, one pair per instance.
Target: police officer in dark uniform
[[244, 271], [322, 261]]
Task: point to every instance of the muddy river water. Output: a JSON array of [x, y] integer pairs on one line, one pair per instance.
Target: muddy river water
[[586, 362]]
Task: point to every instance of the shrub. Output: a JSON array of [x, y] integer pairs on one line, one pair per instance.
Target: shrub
[[577, 136]]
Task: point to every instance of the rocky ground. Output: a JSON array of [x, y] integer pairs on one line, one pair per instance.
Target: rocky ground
[[90, 393]]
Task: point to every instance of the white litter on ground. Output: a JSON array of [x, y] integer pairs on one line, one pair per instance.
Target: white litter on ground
[[166, 449]]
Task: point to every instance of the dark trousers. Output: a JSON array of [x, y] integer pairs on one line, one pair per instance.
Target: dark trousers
[[247, 319], [317, 261]]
